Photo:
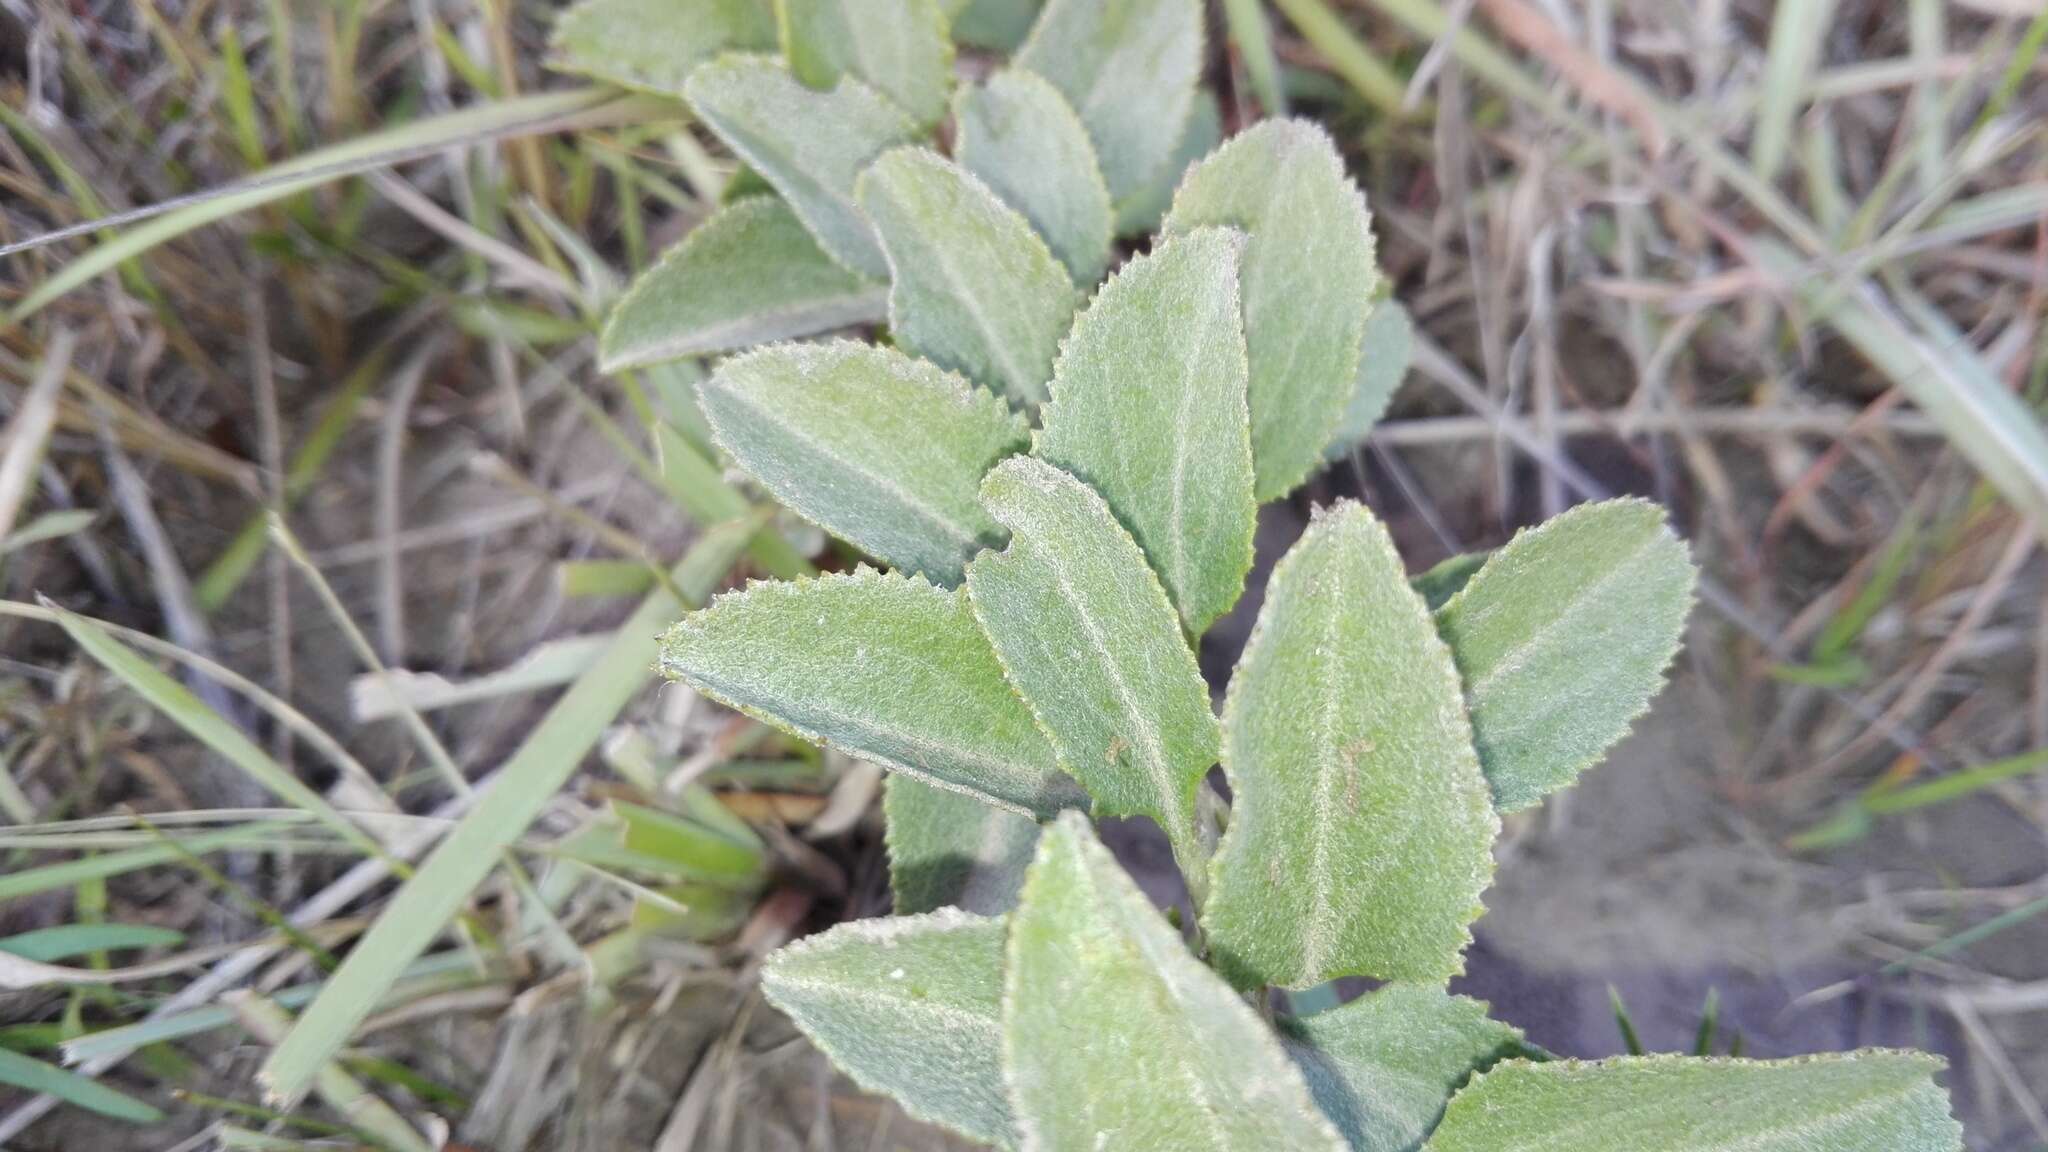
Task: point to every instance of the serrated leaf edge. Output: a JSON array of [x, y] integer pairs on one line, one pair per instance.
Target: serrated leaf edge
[[1094, 174]]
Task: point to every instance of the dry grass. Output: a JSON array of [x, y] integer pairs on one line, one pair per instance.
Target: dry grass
[[1628, 230]]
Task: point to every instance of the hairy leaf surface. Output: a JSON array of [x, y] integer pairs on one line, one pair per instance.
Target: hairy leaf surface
[[1140, 213], [899, 47], [654, 45], [1148, 408], [887, 668], [879, 448], [1088, 637], [946, 849], [1383, 359], [1850, 1102], [1383, 1066], [1116, 1036], [1129, 68], [1562, 638], [1308, 274], [973, 287], [809, 145], [1445, 580], [994, 25], [1361, 834], [749, 275], [1019, 135], [911, 1007]]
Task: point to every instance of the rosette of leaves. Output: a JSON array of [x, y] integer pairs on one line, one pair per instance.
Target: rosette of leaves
[[1057, 479]]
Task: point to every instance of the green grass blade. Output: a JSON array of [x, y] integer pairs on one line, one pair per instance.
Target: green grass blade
[[1254, 39], [51, 877], [38, 1078], [1796, 29], [528, 780], [49, 945]]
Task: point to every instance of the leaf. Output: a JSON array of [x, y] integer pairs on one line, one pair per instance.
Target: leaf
[[972, 289], [1562, 638], [1148, 408], [1022, 137], [749, 275], [1308, 273], [1140, 213], [1360, 835], [64, 941], [1086, 634], [653, 45], [946, 848], [1439, 584], [37, 1078], [1383, 1066], [1129, 68], [1116, 1036], [876, 447], [1858, 1100], [910, 1007], [900, 47], [886, 668], [1383, 358], [993, 25], [809, 145]]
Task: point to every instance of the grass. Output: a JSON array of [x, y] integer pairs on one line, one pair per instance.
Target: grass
[[338, 269]]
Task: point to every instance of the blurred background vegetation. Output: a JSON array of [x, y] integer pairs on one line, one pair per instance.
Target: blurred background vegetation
[[312, 502]]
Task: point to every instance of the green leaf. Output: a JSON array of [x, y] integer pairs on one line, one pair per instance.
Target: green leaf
[[1308, 276], [972, 288], [62, 942], [1858, 1100], [749, 275], [37, 1078], [1383, 357], [947, 849], [994, 25], [886, 668], [654, 45], [1116, 1036], [1360, 835], [1148, 407], [1088, 637], [1383, 1066], [1562, 638], [1022, 137], [1129, 68], [911, 1007], [809, 145], [1140, 213], [900, 47], [876, 447], [1439, 584]]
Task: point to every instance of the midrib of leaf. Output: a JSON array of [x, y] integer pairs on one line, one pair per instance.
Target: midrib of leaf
[[963, 291], [959, 1017], [1180, 475], [1155, 753], [1548, 633], [909, 501], [855, 308], [1200, 1092], [1316, 941], [1556, 1138], [1256, 290]]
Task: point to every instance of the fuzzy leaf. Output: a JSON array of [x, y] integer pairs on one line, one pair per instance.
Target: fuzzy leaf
[[749, 275], [1439, 584], [1088, 637], [973, 288], [1361, 835], [910, 1007], [654, 45], [1308, 277], [1129, 68], [809, 145], [1020, 136], [1383, 1066], [900, 47], [1562, 638], [886, 668], [1148, 408], [878, 448], [1115, 1036], [949, 849], [1140, 214], [1872, 1099], [994, 25], [1383, 357]]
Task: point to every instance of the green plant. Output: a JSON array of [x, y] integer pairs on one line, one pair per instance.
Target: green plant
[[1066, 494]]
